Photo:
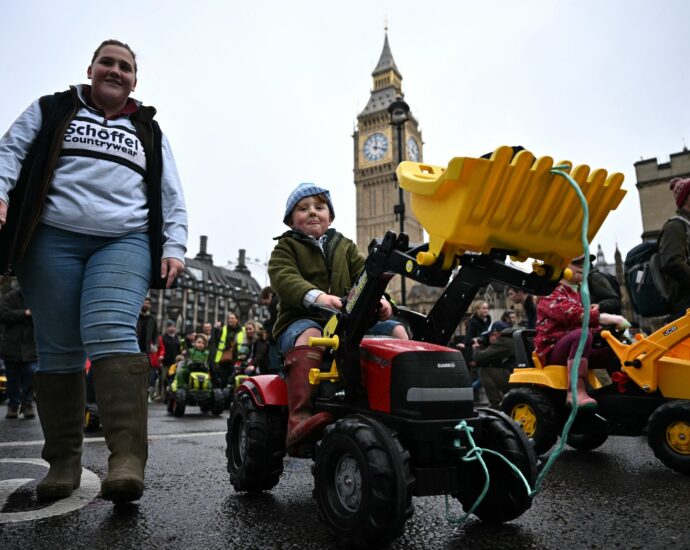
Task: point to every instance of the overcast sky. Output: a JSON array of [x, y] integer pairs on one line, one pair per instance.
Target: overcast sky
[[256, 97]]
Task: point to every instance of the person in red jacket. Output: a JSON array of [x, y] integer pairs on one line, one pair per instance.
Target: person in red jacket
[[559, 327]]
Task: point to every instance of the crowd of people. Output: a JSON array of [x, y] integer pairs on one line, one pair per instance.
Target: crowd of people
[[225, 350]]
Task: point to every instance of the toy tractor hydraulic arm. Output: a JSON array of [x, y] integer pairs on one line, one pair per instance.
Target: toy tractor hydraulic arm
[[392, 256], [475, 272]]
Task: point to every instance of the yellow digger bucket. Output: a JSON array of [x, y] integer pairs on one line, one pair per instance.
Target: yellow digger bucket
[[515, 205]]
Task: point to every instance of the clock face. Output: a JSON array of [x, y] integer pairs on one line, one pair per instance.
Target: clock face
[[375, 146], [412, 149]]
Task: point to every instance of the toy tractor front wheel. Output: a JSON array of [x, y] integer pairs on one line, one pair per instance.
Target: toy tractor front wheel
[[362, 482], [217, 401], [180, 403], [255, 445], [507, 496], [533, 409], [669, 435]]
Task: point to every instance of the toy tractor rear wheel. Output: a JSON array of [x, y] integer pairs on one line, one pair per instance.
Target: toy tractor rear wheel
[[180, 403], [534, 410], [255, 445], [586, 442], [217, 401], [362, 482], [507, 496], [669, 435]]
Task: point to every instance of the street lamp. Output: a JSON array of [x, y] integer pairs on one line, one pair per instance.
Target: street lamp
[[399, 112]]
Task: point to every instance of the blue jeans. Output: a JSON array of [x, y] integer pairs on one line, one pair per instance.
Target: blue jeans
[[85, 293], [20, 376]]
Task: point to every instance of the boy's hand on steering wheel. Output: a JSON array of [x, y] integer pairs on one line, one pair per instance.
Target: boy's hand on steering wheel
[[385, 310], [329, 300]]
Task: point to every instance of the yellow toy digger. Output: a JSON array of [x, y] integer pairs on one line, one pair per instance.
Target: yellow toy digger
[[651, 392]]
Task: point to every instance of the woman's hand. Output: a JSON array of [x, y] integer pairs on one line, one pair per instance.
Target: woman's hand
[[170, 270], [3, 213]]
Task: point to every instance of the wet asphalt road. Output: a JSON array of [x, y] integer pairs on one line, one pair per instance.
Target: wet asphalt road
[[619, 496]]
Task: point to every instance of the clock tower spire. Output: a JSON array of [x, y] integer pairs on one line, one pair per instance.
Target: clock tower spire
[[376, 152]]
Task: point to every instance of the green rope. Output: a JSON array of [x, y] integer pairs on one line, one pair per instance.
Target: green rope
[[584, 292], [475, 453]]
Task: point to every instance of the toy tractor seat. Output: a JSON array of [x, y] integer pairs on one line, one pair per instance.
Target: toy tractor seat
[[507, 203], [523, 341], [531, 370]]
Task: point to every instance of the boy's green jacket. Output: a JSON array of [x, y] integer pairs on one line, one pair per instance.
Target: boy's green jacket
[[196, 356], [298, 265]]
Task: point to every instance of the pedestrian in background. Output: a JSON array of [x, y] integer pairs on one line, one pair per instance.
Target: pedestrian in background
[[93, 216], [495, 358], [479, 322], [18, 351], [172, 346], [509, 317], [147, 330], [224, 341], [674, 247], [253, 353], [519, 296], [270, 300]]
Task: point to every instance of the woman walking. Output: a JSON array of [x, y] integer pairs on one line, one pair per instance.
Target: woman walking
[[92, 216]]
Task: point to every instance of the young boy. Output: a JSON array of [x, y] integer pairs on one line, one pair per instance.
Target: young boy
[[312, 263], [197, 356]]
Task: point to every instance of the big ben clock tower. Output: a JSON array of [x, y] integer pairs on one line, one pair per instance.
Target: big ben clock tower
[[376, 158]]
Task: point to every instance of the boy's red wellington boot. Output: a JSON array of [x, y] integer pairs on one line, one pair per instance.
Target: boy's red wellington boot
[[304, 427]]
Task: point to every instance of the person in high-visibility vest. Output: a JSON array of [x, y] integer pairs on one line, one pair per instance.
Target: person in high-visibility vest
[[225, 343]]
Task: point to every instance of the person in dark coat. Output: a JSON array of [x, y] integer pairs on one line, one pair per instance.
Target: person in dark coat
[[479, 322], [496, 360], [18, 351], [270, 300], [519, 296], [602, 290], [673, 249]]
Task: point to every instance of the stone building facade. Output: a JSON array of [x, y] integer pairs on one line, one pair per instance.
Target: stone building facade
[[656, 200], [207, 293]]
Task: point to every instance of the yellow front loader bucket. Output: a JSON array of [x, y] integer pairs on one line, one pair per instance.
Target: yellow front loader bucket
[[480, 204]]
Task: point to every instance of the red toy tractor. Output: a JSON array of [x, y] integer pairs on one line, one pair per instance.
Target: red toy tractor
[[397, 404]]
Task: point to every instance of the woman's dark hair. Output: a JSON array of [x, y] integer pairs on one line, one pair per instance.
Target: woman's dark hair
[[113, 42]]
